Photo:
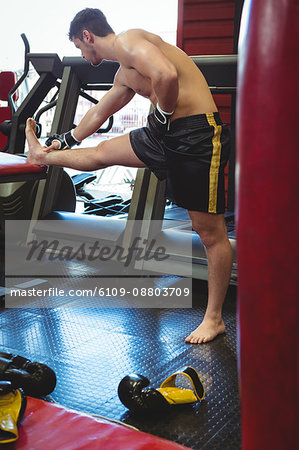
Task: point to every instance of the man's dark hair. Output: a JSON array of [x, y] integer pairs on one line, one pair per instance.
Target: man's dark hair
[[90, 19]]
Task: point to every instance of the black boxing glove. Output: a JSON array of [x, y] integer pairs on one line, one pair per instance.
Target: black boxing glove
[[66, 140], [134, 393], [36, 379], [159, 122], [12, 407]]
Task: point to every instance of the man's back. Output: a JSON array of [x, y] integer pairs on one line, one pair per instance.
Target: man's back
[[194, 96]]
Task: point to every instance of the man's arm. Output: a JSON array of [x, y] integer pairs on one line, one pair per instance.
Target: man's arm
[[114, 100]]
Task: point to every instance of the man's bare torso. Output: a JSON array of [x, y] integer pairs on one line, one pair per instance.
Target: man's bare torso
[[194, 96]]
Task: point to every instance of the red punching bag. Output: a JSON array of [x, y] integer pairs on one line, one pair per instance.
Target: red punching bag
[[268, 224]]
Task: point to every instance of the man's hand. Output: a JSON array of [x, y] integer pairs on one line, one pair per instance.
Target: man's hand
[[61, 141], [159, 122]]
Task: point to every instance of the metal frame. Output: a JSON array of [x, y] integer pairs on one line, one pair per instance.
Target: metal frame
[[63, 121], [49, 68]]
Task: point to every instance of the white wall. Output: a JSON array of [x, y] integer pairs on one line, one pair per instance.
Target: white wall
[[46, 24]]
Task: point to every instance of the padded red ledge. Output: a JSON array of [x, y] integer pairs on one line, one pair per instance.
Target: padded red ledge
[[53, 427], [14, 165], [7, 81]]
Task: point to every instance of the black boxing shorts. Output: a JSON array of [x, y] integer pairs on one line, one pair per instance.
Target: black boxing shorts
[[191, 157]]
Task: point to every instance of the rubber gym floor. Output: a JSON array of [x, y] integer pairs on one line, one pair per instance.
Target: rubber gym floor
[[92, 348]]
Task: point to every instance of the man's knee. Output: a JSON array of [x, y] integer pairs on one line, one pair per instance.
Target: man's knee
[[210, 231], [100, 155], [208, 237]]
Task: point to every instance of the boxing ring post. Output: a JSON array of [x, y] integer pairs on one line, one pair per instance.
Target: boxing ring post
[[268, 224]]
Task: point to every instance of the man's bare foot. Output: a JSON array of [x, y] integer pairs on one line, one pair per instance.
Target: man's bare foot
[[206, 332], [36, 151]]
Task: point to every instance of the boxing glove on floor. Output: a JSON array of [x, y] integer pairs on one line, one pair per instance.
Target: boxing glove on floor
[[12, 408], [36, 379], [133, 394]]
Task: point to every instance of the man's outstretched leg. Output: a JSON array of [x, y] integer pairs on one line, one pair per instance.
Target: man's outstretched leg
[[212, 231], [116, 151]]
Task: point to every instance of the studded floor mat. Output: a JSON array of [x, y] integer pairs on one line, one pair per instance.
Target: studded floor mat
[[92, 347]]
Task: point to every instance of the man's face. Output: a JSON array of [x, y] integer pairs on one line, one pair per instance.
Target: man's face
[[88, 51]]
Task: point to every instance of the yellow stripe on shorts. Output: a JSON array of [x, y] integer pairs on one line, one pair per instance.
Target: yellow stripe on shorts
[[215, 163]]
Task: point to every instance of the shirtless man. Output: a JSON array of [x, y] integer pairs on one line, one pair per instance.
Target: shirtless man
[[185, 141]]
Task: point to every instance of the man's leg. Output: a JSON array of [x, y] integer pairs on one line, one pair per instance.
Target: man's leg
[[212, 231], [116, 151]]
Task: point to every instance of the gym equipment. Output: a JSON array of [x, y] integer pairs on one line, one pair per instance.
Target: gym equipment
[[48, 425], [134, 396], [12, 408], [49, 69], [35, 379], [268, 224], [9, 87], [7, 81], [21, 186], [110, 205], [80, 180]]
